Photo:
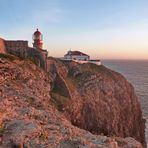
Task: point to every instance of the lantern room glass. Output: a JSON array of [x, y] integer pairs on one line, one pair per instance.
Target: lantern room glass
[[38, 37]]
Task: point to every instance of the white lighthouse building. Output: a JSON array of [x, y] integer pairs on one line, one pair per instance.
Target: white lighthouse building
[[76, 55], [38, 40], [80, 57]]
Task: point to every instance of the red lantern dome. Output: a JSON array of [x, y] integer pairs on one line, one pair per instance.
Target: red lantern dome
[[37, 35], [38, 38]]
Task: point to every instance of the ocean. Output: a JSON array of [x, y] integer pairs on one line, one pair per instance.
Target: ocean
[[136, 72]]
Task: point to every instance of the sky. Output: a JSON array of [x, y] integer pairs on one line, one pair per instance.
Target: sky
[[105, 29]]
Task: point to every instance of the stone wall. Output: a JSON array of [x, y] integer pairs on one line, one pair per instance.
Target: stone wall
[[16, 43], [21, 49], [17, 47], [38, 56]]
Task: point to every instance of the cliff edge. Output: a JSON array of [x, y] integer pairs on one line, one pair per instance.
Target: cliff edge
[[36, 113], [98, 100]]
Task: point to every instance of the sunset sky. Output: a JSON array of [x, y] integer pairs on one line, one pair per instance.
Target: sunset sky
[[106, 29]]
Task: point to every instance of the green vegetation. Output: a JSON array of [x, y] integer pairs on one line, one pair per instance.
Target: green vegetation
[[92, 68], [71, 83], [32, 59], [30, 100], [86, 71], [2, 128], [58, 101], [59, 96], [43, 135]]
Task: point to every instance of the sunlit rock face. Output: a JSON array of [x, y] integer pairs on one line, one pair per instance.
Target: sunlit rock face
[[101, 101], [2, 46], [29, 99]]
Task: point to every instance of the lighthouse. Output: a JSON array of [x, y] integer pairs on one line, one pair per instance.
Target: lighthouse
[[38, 40]]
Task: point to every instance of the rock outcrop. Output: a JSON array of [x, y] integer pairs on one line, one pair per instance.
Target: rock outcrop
[[28, 118], [2, 46], [102, 101]]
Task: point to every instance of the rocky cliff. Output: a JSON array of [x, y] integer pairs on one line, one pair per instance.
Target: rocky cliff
[[31, 99], [2, 46], [101, 100]]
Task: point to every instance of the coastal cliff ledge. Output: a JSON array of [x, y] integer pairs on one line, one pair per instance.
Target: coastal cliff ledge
[[99, 100], [71, 106]]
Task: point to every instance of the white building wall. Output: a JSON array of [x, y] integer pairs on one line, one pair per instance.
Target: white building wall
[[81, 59], [93, 62], [75, 57]]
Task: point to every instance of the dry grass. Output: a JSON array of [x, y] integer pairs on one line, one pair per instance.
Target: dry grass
[[6, 56], [58, 101]]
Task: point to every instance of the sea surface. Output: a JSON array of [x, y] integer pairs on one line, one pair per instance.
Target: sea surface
[[136, 72]]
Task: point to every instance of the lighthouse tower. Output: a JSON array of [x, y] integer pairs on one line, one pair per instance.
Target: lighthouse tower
[[38, 40]]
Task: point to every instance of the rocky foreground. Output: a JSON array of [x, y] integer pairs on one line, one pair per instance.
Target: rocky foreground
[[72, 106]]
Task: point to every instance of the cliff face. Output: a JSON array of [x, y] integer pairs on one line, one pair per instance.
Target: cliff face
[[2, 46], [101, 101], [29, 119]]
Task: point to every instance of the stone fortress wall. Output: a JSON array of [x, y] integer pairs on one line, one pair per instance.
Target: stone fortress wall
[[21, 49], [39, 57], [17, 47]]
